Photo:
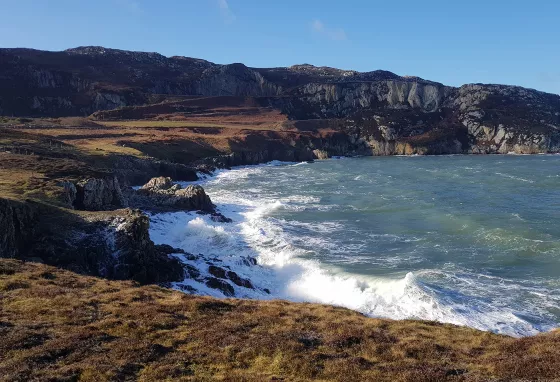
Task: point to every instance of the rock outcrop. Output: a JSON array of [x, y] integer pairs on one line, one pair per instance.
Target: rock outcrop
[[95, 194], [17, 227], [162, 193], [115, 245]]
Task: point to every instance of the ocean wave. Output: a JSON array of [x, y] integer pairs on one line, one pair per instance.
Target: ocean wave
[[288, 275], [289, 253]]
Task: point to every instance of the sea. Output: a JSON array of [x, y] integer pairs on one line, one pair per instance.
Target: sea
[[462, 239]]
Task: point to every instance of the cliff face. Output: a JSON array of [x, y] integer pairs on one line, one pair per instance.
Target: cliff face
[[384, 113], [18, 224]]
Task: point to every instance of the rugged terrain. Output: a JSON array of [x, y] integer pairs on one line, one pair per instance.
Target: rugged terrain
[[79, 128], [379, 112]]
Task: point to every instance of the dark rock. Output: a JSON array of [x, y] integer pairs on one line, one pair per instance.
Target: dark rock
[[249, 261], [238, 280], [137, 256], [187, 288], [217, 272], [168, 250], [97, 194], [69, 194], [17, 228], [192, 272], [219, 218], [221, 285]]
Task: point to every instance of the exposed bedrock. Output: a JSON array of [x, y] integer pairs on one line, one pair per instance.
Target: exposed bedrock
[[337, 100], [95, 194], [17, 227], [162, 193]]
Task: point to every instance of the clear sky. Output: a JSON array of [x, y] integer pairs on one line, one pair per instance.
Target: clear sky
[[450, 41]]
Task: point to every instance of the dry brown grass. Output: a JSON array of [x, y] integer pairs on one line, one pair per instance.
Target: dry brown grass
[[56, 325]]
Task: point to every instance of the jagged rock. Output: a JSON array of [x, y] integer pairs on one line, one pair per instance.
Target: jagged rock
[[192, 272], [320, 154], [248, 260], [70, 192], [162, 193], [217, 272], [221, 285], [158, 184], [168, 250], [17, 228], [219, 218], [135, 255], [221, 273], [234, 277], [95, 194]]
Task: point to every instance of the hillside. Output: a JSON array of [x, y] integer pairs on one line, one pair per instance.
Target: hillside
[[57, 325], [385, 113]]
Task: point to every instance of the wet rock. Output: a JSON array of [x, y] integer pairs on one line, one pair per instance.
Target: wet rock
[[168, 250], [219, 218], [221, 273], [221, 285], [234, 277], [187, 288], [248, 260], [135, 255], [192, 272], [217, 272]]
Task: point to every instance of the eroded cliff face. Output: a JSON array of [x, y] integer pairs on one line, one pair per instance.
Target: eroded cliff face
[[335, 100], [235, 80], [503, 119], [392, 114]]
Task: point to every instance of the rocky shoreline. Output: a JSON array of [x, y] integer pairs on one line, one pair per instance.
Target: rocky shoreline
[[69, 202]]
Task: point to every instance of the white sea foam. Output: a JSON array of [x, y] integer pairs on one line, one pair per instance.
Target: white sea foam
[[286, 269], [515, 177]]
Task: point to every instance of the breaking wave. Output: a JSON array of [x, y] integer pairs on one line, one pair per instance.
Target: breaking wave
[[289, 269]]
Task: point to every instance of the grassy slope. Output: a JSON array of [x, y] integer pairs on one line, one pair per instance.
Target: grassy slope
[[56, 325]]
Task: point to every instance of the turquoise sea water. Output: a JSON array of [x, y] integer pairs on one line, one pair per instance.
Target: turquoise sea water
[[471, 240]]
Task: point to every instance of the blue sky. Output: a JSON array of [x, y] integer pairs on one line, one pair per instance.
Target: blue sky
[[454, 42]]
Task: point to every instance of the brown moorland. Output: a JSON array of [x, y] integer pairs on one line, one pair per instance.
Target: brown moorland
[[57, 325]]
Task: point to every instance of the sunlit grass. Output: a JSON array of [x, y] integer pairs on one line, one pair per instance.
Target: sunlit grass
[[59, 325]]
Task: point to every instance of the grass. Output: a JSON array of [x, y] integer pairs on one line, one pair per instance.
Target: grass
[[56, 325], [170, 124]]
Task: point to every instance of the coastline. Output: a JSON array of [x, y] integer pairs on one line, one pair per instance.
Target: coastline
[[222, 239]]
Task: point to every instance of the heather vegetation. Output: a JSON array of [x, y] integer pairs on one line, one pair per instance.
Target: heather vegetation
[[57, 325]]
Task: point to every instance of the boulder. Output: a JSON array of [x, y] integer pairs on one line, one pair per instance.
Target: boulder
[[221, 285], [221, 273], [162, 193]]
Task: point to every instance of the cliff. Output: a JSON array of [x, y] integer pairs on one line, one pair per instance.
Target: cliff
[[385, 113]]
